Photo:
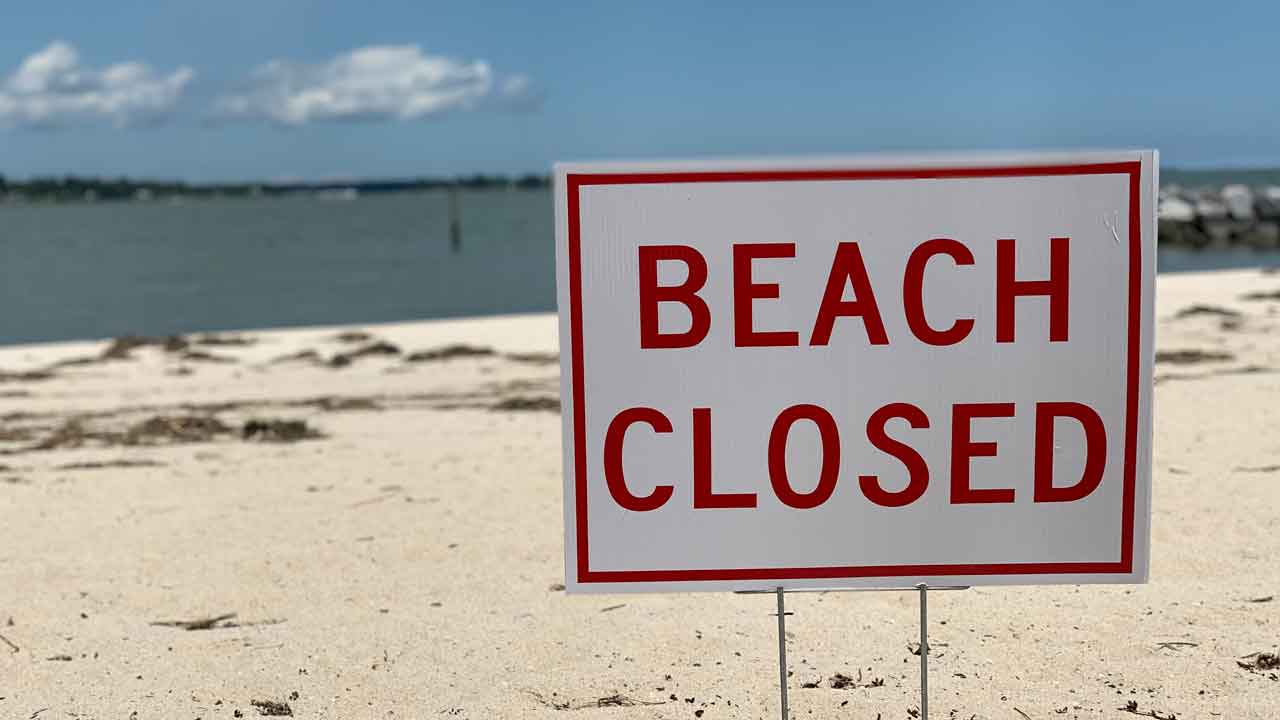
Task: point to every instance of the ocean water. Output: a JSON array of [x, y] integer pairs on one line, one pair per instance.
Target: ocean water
[[101, 270], [1259, 177]]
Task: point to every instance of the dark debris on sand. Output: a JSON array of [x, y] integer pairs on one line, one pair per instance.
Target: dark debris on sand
[[1244, 370], [156, 430], [377, 348], [1192, 357], [177, 429], [1262, 663], [25, 376], [840, 681], [202, 356], [333, 403], [526, 403], [1212, 310], [207, 623], [122, 347], [172, 429], [310, 356], [224, 340], [106, 464], [279, 431], [1265, 295], [352, 336], [273, 708], [534, 358], [449, 352], [15, 434], [1131, 707], [615, 700]]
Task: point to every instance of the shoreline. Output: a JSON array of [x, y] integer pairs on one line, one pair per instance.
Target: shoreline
[[516, 332], [506, 327]]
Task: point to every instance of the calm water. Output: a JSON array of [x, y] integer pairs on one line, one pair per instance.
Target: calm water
[[1259, 177], [95, 271], [91, 271]]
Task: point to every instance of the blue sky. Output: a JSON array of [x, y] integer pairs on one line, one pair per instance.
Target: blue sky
[[418, 88]]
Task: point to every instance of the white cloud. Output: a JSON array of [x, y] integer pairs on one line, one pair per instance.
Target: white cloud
[[380, 82], [52, 88]]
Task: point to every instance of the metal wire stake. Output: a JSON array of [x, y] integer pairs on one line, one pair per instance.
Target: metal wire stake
[[782, 651], [924, 651]]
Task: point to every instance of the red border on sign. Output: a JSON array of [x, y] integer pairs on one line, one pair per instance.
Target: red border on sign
[[574, 181]]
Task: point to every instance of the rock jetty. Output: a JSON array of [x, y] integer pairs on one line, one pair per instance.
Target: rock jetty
[[1233, 215]]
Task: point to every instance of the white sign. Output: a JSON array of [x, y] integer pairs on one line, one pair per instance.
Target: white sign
[[856, 372]]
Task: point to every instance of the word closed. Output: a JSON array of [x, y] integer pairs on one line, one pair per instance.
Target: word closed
[[856, 373]]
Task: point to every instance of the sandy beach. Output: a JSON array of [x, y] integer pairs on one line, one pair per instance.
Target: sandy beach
[[365, 522]]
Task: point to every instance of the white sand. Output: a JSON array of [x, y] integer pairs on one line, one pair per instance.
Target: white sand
[[401, 567]]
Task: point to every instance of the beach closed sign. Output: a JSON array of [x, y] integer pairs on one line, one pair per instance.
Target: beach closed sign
[[856, 372]]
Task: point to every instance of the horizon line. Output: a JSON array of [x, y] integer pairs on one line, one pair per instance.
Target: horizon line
[[440, 178]]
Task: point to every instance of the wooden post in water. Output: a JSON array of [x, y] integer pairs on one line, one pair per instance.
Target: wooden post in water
[[455, 220]]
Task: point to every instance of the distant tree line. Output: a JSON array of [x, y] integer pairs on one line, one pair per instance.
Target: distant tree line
[[73, 188]]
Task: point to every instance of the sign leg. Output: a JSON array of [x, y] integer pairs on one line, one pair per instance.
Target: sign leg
[[782, 652], [924, 650]]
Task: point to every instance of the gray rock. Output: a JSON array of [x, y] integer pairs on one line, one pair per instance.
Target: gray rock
[[1211, 208], [1174, 209], [1239, 201], [1267, 204], [1265, 235]]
